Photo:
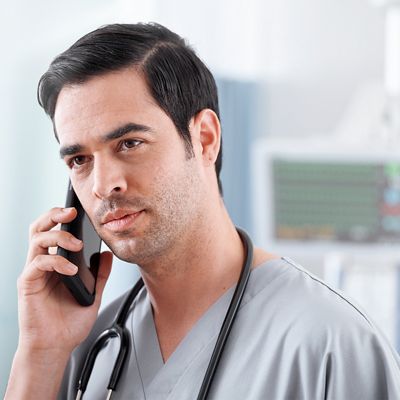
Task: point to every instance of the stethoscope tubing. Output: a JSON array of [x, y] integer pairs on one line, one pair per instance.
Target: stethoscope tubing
[[229, 318], [119, 330]]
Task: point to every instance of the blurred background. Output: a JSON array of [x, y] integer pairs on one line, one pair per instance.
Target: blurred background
[[309, 94]]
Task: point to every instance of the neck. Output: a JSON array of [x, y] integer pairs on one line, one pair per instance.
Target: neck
[[205, 264], [188, 281]]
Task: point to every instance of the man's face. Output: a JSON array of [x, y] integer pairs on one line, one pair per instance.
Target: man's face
[[128, 165]]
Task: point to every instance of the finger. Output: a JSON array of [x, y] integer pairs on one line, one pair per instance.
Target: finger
[[42, 264], [50, 219], [41, 241], [103, 275]]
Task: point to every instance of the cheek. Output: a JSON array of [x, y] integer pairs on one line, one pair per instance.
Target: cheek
[[178, 187], [160, 169]]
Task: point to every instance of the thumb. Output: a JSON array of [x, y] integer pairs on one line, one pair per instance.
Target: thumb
[[103, 273]]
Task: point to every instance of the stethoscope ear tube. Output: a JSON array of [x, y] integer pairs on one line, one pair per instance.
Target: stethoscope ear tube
[[117, 330], [123, 336], [229, 318], [122, 354]]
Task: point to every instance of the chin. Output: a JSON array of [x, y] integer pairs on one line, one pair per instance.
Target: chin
[[124, 249]]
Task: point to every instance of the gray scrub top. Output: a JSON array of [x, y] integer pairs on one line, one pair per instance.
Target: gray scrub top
[[294, 338]]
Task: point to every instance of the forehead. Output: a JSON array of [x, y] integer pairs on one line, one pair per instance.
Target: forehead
[[104, 103]]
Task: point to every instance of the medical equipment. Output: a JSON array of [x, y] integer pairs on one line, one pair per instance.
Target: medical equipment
[[313, 195], [118, 330]]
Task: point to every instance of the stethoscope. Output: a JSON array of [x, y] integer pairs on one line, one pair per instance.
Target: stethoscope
[[118, 330]]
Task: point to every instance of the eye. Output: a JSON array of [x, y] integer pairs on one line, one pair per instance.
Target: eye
[[77, 161], [130, 143]]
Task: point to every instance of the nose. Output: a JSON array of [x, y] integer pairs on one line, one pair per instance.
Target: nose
[[108, 179]]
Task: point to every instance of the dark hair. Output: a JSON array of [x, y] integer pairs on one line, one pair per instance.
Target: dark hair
[[178, 80]]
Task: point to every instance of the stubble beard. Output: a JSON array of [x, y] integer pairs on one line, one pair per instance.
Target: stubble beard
[[170, 220]]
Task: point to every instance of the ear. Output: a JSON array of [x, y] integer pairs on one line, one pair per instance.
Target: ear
[[205, 130]]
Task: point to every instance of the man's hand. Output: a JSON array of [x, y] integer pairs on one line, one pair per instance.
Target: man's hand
[[51, 322]]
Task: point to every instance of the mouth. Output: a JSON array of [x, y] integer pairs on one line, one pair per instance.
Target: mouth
[[120, 221]]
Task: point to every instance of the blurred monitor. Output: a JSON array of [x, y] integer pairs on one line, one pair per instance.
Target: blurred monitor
[[316, 195]]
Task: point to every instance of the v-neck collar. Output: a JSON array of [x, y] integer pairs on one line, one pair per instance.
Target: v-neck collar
[[145, 340], [156, 375], [158, 378]]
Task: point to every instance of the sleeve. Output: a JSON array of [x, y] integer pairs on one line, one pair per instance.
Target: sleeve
[[362, 366], [342, 354]]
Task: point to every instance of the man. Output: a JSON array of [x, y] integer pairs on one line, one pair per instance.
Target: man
[[136, 115]]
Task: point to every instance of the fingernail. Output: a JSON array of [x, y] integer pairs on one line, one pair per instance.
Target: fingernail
[[64, 211], [75, 240], [72, 268]]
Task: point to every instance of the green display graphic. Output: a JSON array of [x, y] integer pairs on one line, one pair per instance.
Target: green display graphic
[[326, 201]]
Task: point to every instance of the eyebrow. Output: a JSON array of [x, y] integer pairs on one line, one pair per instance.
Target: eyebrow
[[115, 134]]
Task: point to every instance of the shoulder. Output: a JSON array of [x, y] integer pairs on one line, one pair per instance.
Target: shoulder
[[318, 301], [305, 305], [297, 319]]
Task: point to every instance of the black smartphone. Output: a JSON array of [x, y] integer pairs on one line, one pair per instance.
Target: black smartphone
[[82, 285]]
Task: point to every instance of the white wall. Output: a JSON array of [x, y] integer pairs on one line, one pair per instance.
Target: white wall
[[311, 55]]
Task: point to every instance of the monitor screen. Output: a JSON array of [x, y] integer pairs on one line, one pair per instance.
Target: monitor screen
[[335, 201]]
